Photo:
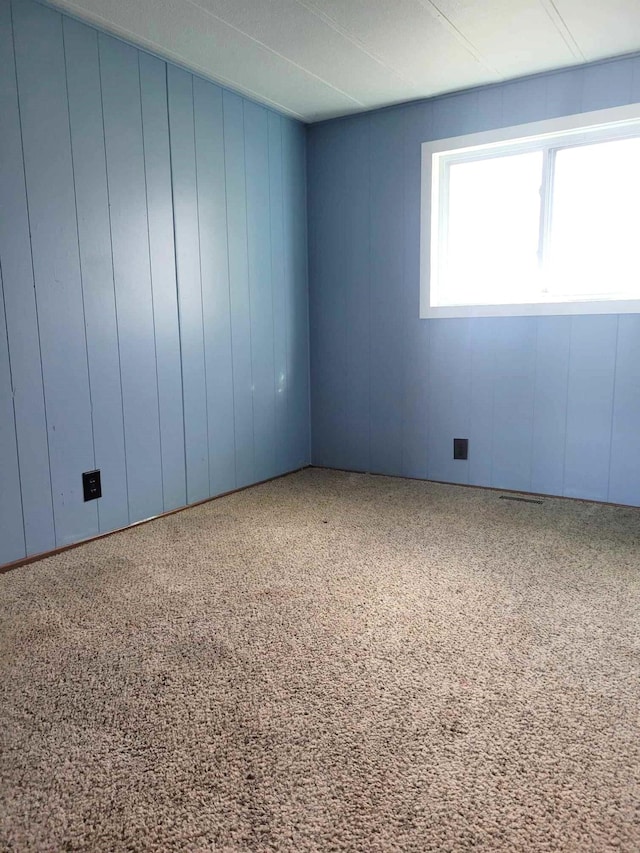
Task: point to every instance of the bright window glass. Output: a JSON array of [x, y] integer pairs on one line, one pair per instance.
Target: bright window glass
[[594, 237], [535, 219], [491, 252]]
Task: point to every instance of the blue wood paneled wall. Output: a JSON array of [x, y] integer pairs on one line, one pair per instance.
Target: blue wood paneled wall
[[153, 261], [549, 404]]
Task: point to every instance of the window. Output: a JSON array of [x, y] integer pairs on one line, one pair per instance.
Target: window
[[535, 219]]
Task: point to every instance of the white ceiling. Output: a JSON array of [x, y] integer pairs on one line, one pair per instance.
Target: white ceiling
[[314, 59]]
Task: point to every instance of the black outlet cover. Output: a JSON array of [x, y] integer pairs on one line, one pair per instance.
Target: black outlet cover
[[91, 485], [460, 448]]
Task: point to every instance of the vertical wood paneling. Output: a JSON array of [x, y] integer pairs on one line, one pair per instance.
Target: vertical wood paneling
[[490, 111], [296, 248], [239, 286], [185, 205], [319, 221], [13, 545], [449, 398], [607, 84], [504, 383], [357, 276], [42, 88], [624, 481], [212, 220], [130, 242], [280, 325], [454, 115], [155, 132], [564, 93], [415, 437], [96, 332], [550, 404], [94, 233], [21, 313], [524, 101], [589, 406], [387, 252], [479, 431], [635, 79], [513, 396], [256, 153], [328, 240]]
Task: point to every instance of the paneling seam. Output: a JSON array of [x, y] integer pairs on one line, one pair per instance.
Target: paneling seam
[[13, 406], [613, 404], [226, 208], [287, 407], [33, 276], [369, 266], [175, 263], [246, 226], [113, 275], [533, 407], [153, 306], [204, 339], [273, 318], [75, 207], [566, 408]]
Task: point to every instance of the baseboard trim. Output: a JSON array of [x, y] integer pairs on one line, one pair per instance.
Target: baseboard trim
[[34, 558], [473, 486]]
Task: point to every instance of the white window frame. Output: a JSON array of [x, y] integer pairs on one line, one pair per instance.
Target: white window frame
[[546, 136]]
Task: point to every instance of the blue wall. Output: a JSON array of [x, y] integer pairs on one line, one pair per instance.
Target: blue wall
[[549, 404], [153, 319], [153, 257]]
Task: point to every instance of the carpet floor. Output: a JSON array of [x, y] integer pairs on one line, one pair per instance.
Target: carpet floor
[[329, 662]]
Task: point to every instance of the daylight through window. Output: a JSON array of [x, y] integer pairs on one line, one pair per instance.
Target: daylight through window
[[522, 222]]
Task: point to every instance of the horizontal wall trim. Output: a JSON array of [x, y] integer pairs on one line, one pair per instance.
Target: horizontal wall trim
[[473, 486], [35, 558]]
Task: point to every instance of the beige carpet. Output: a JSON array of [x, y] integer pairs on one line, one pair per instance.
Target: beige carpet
[[329, 662]]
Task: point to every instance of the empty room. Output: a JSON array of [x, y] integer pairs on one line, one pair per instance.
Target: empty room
[[320, 426]]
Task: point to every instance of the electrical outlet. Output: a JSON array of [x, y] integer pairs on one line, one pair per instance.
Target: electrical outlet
[[460, 448], [91, 485]]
